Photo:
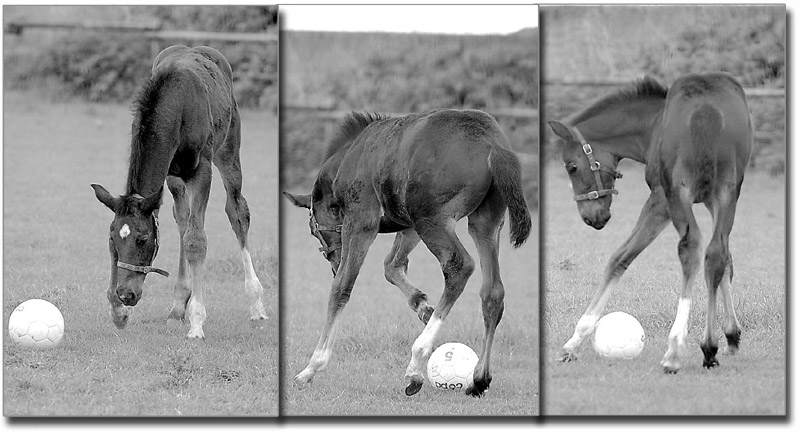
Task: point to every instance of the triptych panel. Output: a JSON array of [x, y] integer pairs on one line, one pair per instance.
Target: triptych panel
[[394, 210]]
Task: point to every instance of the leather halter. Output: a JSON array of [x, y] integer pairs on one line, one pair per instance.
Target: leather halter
[[316, 230], [148, 268], [595, 166]]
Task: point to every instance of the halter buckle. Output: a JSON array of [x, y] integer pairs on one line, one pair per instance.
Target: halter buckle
[[593, 195], [587, 149]]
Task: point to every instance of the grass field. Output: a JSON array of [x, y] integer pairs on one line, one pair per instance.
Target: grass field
[[377, 329], [753, 382], [55, 248]]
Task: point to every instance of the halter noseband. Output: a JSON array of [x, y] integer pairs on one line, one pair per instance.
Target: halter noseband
[[325, 249], [145, 269], [595, 166]]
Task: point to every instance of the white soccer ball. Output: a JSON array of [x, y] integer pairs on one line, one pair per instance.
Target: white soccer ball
[[36, 323], [618, 335], [451, 366]]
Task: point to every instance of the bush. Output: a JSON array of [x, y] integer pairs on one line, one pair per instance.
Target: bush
[[109, 66]]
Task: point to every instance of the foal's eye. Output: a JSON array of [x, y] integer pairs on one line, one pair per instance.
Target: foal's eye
[[571, 168]]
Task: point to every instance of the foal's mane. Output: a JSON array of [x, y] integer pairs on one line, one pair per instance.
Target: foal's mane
[[144, 111], [643, 88], [351, 126]]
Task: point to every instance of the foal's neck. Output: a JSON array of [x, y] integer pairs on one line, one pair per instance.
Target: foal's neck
[[623, 136], [149, 165]]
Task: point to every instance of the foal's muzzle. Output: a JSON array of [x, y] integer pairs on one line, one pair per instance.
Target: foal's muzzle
[[596, 168]]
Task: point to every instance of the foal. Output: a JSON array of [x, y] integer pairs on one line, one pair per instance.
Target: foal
[[186, 118], [695, 140], [417, 175]]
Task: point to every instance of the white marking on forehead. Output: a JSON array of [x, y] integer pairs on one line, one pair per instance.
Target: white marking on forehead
[[124, 231]]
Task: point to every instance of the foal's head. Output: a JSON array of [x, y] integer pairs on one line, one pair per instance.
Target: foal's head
[[592, 171], [325, 222], [133, 244]]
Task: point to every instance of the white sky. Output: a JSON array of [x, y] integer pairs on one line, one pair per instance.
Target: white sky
[[456, 19]]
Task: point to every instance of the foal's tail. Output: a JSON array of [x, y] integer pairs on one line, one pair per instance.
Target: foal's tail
[[705, 127], [506, 176]]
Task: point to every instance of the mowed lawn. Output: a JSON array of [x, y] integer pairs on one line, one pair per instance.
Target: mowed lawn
[[55, 245], [753, 382], [377, 329]]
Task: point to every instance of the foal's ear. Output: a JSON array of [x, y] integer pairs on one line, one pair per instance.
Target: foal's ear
[[299, 200], [152, 203], [561, 130], [105, 197]]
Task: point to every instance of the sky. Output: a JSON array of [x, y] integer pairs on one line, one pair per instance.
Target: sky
[[454, 19]]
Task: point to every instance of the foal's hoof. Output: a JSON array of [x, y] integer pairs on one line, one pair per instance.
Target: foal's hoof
[[257, 310], [567, 356], [413, 387], [479, 387], [425, 312], [196, 334], [670, 367], [302, 380], [710, 363]]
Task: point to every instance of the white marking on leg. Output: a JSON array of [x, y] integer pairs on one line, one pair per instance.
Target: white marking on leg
[[319, 360], [681, 326], [422, 348], [583, 329], [124, 232], [677, 335], [196, 314], [253, 288], [586, 324]]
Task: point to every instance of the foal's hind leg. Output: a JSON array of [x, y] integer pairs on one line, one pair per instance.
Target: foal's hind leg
[[652, 221], [395, 267], [227, 161], [457, 266], [180, 211], [680, 209], [484, 227], [719, 273]]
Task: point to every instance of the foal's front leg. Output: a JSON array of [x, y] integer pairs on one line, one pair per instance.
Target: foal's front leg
[[194, 246], [652, 221], [180, 211], [356, 239]]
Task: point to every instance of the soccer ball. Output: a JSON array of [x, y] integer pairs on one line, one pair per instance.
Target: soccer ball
[[451, 365], [618, 335], [36, 323]]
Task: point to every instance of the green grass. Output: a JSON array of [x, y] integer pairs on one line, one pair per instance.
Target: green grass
[[377, 329], [753, 382], [55, 244]]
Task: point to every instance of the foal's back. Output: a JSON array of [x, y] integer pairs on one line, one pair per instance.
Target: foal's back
[[437, 158]]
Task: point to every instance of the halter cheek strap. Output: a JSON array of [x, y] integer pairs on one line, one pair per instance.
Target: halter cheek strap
[[595, 166], [325, 249], [146, 269]]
